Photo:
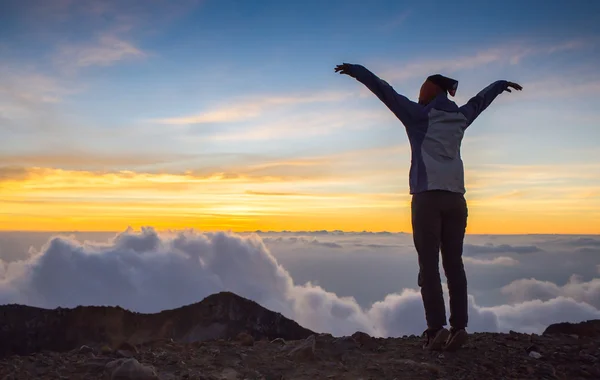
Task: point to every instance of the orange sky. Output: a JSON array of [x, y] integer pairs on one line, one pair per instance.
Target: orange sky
[[290, 196]]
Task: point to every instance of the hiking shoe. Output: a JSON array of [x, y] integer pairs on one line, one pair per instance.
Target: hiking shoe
[[456, 339], [435, 339]]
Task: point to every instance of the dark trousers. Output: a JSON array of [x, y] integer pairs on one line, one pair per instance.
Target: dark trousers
[[439, 220]]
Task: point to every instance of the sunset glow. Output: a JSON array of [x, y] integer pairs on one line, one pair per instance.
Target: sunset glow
[[189, 115]]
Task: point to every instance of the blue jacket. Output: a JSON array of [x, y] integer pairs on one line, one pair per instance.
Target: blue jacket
[[435, 131]]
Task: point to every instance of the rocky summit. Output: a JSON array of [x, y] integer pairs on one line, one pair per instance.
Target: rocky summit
[[25, 330], [228, 337]]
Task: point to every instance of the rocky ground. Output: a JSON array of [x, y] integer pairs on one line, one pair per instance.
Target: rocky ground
[[228, 337], [486, 356]]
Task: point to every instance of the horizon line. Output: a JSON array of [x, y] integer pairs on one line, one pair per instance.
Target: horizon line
[[287, 231]]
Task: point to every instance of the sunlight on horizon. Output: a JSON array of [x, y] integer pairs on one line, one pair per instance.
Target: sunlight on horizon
[[47, 199]]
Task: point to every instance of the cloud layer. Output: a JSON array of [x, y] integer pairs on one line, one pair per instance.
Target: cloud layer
[[146, 271]]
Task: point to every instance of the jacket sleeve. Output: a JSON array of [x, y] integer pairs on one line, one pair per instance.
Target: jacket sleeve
[[406, 110], [477, 104]]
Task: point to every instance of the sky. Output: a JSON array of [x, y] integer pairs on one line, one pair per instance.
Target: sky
[[227, 115], [332, 282]]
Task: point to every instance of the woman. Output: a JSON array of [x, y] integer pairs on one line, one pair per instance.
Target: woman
[[435, 127]]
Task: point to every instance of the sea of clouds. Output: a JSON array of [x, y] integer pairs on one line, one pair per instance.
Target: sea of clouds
[[332, 282]]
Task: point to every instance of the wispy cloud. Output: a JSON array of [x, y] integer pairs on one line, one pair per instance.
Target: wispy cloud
[[506, 54], [493, 175], [307, 125], [87, 159], [395, 21], [499, 261], [25, 87], [29, 99], [561, 87], [107, 50], [250, 108]]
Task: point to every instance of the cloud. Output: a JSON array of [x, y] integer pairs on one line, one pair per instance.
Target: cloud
[[473, 249], [148, 272], [28, 99], [583, 242], [395, 21], [84, 17], [302, 240], [564, 86], [512, 53], [13, 173], [107, 50], [305, 124], [531, 289], [501, 261], [30, 103], [26, 87], [76, 159], [377, 246], [250, 108], [534, 316]]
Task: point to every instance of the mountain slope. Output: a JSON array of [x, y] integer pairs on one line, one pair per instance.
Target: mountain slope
[[224, 315]]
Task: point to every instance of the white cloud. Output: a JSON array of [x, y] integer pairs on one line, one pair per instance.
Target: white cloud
[[474, 249], [21, 89], [311, 240], [511, 53], [502, 261], [107, 50], [531, 289], [30, 101], [395, 21], [534, 316], [303, 124], [148, 272], [250, 108]]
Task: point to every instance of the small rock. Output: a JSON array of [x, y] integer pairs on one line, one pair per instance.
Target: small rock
[[535, 354], [364, 340], [588, 358], [547, 371], [124, 354], [305, 350], [339, 347], [360, 337], [421, 365], [280, 341], [245, 339], [126, 346], [532, 347], [94, 364], [574, 336], [105, 350], [85, 349], [229, 374], [130, 369]]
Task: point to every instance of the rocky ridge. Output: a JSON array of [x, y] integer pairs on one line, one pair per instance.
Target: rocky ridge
[[255, 343], [25, 330]]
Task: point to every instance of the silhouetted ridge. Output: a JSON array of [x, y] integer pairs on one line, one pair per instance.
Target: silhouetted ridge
[[588, 329], [26, 329]]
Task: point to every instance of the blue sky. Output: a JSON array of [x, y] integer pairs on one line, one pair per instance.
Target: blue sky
[[160, 86]]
